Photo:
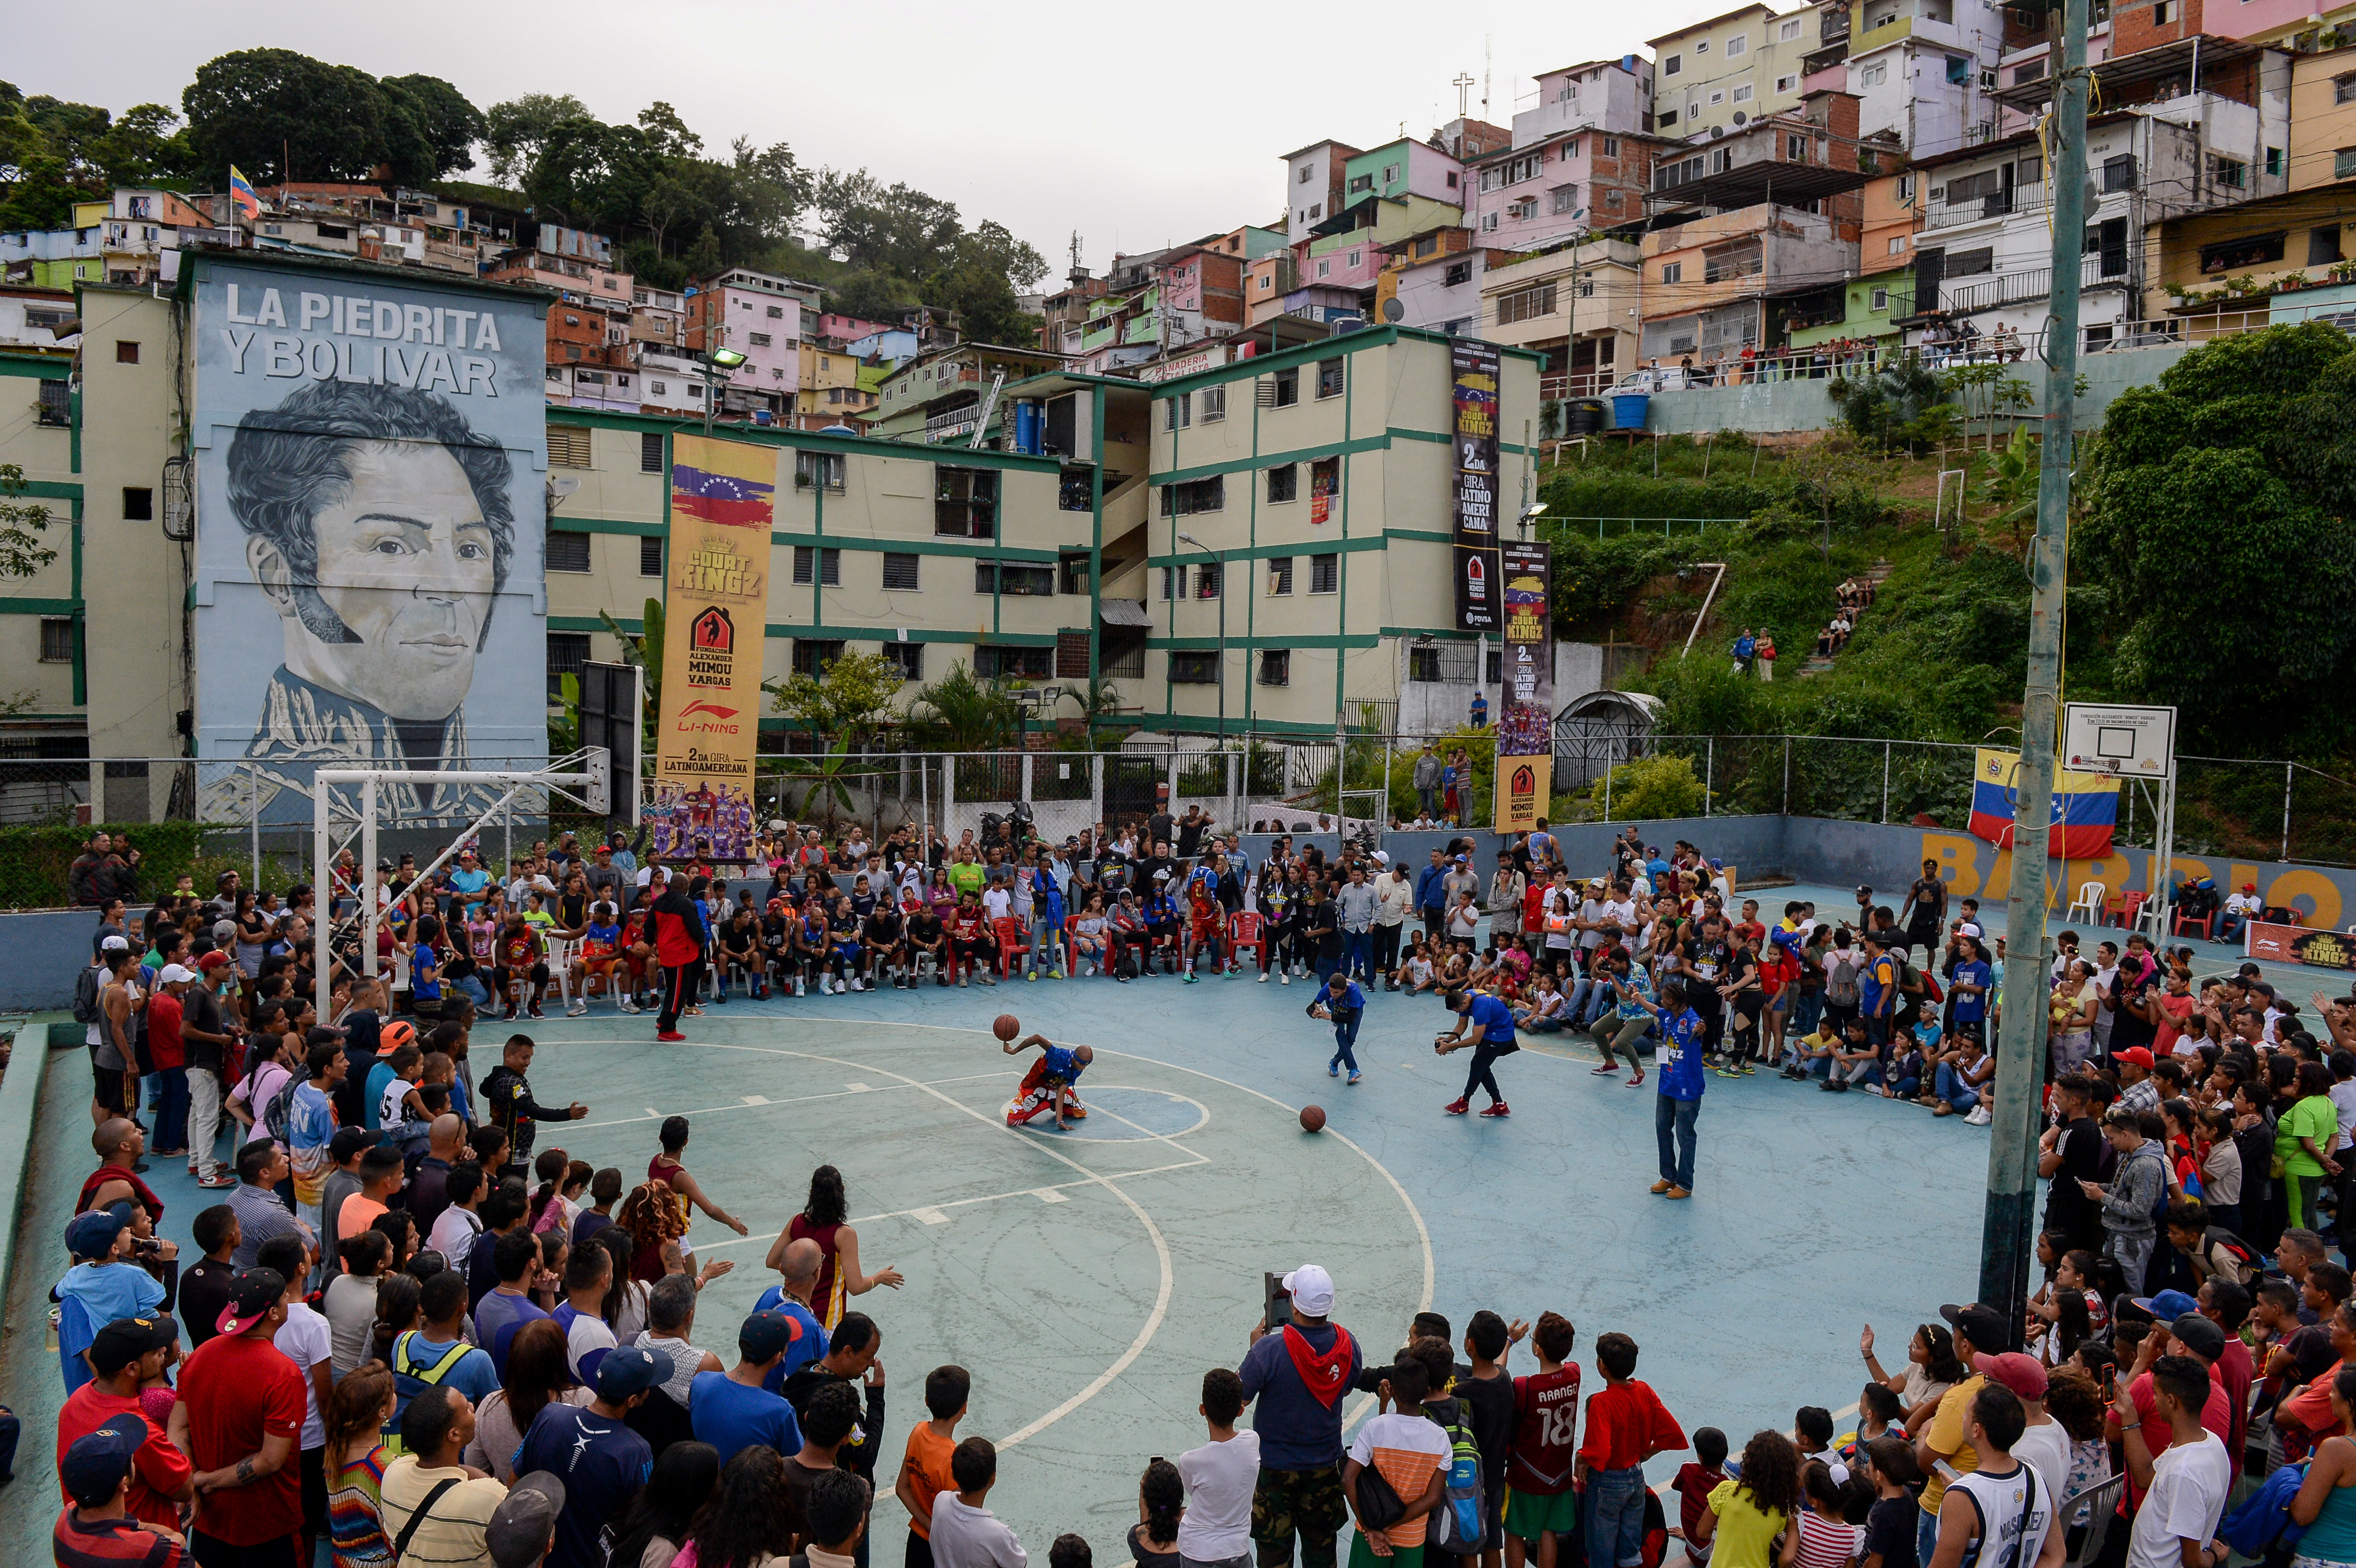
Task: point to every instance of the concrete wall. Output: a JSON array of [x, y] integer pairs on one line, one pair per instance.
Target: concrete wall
[[46, 949], [1769, 408]]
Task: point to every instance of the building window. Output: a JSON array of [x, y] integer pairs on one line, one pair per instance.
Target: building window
[[56, 639], [567, 551], [56, 403], [2118, 173], [1306, 171], [568, 446], [1897, 244], [1525, 304], [1329, 378], [1423, 665], [1194, 668], [1787, 31], [757, 339], [1325, 267], [2231, 173], [567, 652], [1212, 404], [1357, 257], [1668, 117], [814, 468], [651, 448], [1209, 578], [828, 563], [1285, 389], [1280, 576], [1488, 223], [909, 658], [2275, 162], [1283, 484], [899, 572], [813, 655], [1015, 580], [2323, 245], [138, 504], [1673, 271], [1701, 46], [1566, 198], [2163, 13], [1276, 666], [1787, 84], [1971, 264], [1013, 664], [1390, 174], [1324, 573], [965, 503], [1673, 66], [1361, 182], [1073, 571], [1458, 272], [2234, 255], [776, 312], [1194, 495], [1178, 413], [1880, 299], [1738, 45], [651, 555], [125, 352]]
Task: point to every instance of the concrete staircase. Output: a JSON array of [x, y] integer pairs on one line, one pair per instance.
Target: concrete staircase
[[1873, 578]]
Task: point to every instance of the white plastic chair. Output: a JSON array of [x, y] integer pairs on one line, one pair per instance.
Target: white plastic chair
[[562, 952], [2089, 903]]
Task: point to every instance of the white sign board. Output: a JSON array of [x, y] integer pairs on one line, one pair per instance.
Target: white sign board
[[2131, 742]]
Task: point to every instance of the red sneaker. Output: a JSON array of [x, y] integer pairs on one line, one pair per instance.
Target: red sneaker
[[671, 1037], [1457, 1107], [1497, 1110]]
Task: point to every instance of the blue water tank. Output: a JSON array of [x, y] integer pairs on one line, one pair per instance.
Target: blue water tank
[[1030, 426], [1628, 410]]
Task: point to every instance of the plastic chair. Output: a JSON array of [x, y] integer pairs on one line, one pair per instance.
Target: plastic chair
[[1013, 942], [2132, 915], [2115, 911], [1243, 932], [2089, 901], [562, 952], [2198, 924]]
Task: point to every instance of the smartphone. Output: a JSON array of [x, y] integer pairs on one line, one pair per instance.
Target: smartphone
[[1280, 1301]]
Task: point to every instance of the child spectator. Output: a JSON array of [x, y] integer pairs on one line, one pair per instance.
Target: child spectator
[[1695, 1480], [925, 1472], [1626, 1424], [1541, 1507]]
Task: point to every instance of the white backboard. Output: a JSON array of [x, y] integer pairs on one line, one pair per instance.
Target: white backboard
[[2132, 743]]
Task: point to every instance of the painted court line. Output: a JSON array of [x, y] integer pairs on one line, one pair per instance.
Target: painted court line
[[762, 1102], [1054, 1194]]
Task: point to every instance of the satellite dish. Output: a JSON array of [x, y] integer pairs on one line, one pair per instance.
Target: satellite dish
[[1393, 310], [1740, 118], [1716, 132]]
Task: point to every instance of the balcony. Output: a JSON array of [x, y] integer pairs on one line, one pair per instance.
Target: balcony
[[1985, 208], [2018, 288]]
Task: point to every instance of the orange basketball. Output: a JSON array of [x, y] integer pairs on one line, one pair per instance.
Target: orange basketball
[[1313, 1118], [1007, 1027]]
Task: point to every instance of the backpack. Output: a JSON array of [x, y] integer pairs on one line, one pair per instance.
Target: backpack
[[1457, 1525], [85, 1000], [2245, 1257], [1840, 985]]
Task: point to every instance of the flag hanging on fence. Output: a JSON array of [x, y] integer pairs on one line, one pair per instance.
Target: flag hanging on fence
[[2085, 807]]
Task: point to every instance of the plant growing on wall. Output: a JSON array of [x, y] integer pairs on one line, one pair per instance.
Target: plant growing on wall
[[21, 552]]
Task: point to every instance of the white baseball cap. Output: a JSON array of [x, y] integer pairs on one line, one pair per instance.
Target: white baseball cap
[[1312, 1289], [176, 972], [114, 944]]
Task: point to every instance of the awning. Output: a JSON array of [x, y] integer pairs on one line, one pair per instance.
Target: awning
[[1125, 613]]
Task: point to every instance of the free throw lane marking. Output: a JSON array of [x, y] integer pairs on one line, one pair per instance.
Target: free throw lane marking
[[755, 1099], [929, 1216]]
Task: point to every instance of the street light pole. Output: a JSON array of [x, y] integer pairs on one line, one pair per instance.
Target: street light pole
[[1206, 549]]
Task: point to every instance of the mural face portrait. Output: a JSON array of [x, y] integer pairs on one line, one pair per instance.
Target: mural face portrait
[[405, 566]]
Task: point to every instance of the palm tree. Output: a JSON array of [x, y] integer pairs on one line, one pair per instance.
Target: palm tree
[[961, 713]]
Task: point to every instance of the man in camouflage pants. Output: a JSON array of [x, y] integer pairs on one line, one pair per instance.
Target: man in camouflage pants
[[1295, 1376]]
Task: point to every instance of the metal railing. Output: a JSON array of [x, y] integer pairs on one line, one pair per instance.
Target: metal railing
[[1980, 209]]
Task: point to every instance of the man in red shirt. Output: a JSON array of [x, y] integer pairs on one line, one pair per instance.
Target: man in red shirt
[[1626, 1424], [126, 1353], [1542, 1506], [170, 1055], [245, 1407]]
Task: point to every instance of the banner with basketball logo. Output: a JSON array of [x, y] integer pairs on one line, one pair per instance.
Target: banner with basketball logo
[[1474, 371], [716, 606], [1526, 711]]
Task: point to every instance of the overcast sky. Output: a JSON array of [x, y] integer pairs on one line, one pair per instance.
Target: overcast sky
[[1134, 125]]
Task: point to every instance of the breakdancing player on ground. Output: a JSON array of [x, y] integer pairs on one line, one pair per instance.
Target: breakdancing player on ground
[[1048, 1085]]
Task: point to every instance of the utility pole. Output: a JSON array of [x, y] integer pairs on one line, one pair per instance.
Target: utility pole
[[2009, 1221]]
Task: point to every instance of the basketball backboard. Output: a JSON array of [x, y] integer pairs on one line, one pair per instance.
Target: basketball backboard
[[2130, 742]]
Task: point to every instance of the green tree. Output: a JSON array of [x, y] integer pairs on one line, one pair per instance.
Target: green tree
[[439, 120], [21, 522], [1828, 476], [1650, 789], [987, 309], [850, 699], [42, 196], [993, 247], [961, 713], [243, 107], [871, 296], [514, 132], [147, 143]]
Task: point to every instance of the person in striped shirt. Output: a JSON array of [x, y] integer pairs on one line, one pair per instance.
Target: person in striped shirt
[[1410, 1453]]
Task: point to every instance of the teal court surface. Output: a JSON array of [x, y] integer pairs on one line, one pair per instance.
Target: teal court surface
[[1088, 1278]]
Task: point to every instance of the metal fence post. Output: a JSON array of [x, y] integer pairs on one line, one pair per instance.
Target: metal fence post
[[1708, 772], [1607, 785], [1885, 784], [1787, 775], [1026, 775], [253, 819], [2286, 774], [1095, 788]]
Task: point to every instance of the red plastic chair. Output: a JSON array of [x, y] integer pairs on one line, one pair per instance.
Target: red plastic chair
[[2197, 923], [1013, 942], [2134, 902], [1243, 933], [2114, 910]]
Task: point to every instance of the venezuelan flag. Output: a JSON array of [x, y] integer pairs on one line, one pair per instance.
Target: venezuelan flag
[[731, 483], [240, 195], [2085, 807]]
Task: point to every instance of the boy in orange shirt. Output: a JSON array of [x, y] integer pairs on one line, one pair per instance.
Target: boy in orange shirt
[[924, 1470]]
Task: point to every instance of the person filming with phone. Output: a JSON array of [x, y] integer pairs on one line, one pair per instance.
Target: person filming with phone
[[1299, 1366]]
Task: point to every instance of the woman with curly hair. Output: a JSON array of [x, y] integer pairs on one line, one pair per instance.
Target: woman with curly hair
[[752, 1519], [1751, 1520], [2074, 1399], [649, 1217], [821, 1219], [1161, 1505]]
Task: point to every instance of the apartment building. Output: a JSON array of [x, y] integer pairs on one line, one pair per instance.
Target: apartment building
[[1401, 168], [1313, 178], [1764, 214], [1922, 71], [1541, 192], [946, 393], [1868, 306], [2323, 118], [1578, 306], [1718, 76], [830, 393], [761, 316], [1308, 492], [1612, 96]]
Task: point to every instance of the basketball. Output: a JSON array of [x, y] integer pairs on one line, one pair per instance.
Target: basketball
[[1313, 1118], [1007, 1027]]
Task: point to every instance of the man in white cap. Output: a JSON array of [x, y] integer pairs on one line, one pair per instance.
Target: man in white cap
[[169, 1053], [1295, 1375]]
